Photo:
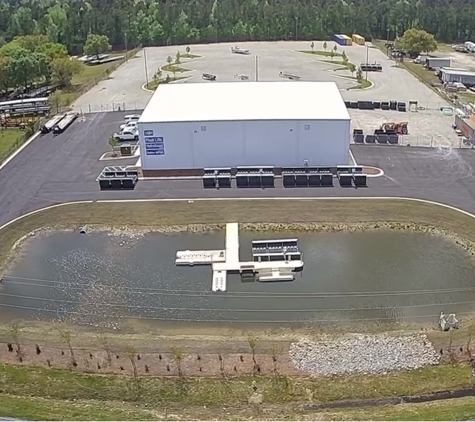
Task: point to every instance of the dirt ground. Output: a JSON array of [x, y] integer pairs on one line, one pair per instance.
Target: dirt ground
[[206, 352]]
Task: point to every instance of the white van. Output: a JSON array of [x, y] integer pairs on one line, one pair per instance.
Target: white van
[[131, 118]]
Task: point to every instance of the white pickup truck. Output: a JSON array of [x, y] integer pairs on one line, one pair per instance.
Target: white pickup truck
[[127, 135], [131, 125]]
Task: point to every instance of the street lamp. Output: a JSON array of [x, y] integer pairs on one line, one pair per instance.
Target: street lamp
[[257, 67], [296, 27], [146, 67], [126, 58], [367, 61]]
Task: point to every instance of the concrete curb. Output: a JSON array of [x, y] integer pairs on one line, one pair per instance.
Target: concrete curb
[[192, 200], [171, 82]]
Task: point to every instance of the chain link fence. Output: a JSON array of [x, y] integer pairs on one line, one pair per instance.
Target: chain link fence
[[110, 107]]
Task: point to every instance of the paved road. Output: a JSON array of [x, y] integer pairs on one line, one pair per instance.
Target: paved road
[[64, 168]]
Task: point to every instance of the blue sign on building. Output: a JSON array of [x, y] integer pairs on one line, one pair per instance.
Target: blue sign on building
[[148, 133], [154, 145]]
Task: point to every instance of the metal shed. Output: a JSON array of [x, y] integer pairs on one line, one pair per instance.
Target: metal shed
[[465, 77]]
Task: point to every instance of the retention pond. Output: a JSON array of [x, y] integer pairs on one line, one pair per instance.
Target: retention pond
[[363, 276]]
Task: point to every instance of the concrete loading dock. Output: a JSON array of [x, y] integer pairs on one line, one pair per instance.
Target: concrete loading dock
[[232, 125]]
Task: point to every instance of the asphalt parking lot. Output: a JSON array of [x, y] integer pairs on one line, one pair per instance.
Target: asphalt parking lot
[[64, 168], [53, 169]]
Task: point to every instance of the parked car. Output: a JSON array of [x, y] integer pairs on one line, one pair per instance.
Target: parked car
[[127, 135], [131, 118], [132, 125]]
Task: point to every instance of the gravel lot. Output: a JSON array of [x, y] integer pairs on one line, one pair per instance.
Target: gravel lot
[[124, 88], [368, 354]]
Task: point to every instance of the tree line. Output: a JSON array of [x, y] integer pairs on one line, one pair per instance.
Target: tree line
[[158, 22]]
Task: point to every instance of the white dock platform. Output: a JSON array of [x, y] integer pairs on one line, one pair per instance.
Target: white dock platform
[[227, 260], [276, 275], [232, 244], [219, 281], [285, 266], [199, 257]]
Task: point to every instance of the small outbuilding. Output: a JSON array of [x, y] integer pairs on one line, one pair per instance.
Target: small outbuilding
[[463, 76], [187, 127]]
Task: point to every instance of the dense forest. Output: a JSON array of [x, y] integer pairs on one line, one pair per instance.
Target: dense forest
[[158, 22]]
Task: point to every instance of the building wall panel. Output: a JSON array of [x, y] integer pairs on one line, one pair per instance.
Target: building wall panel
[[324, 142], [268, 143], [229, 144]]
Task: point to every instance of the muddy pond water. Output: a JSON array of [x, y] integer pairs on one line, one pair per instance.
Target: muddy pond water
[[363, 276]]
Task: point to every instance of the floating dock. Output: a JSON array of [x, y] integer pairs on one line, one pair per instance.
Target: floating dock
[[273, 260]]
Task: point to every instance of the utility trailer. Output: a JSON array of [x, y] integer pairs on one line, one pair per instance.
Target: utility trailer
[[62, 125], [289, 76], [209, 77], [51, 123], [237, 50]]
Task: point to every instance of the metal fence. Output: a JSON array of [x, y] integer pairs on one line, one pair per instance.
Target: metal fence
[[107, 107], [28, 132], [431, 142]]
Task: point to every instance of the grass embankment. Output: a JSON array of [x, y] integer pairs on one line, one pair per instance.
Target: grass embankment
[[363, 84], [174, 68], [323, 53], [153, 85], [189, 56], [9, 141], [174, 213], [77, 396]]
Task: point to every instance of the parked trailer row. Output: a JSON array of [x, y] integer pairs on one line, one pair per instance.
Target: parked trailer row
[[342, 39], [358, 39], [50, 124], [65, 123]]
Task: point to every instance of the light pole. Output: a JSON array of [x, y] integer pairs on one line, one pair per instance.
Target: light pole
[[257, 67], [367, 61], [296, 27], [146, 67], [126, 58]]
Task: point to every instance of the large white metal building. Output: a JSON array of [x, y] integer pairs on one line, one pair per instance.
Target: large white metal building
[[188, 127]]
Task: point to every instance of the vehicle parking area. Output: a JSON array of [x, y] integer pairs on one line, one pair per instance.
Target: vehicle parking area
[[124, 90]]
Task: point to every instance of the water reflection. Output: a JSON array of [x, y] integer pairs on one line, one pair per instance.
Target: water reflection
[[348, 276]]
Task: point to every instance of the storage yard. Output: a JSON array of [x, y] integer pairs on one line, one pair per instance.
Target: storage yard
[[123, 89]]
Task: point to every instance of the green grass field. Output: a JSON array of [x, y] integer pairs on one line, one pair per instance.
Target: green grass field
[[44, 394], [9, 141]]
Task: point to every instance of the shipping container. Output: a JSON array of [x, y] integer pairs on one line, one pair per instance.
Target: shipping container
[[435, 62], [339, 39], [348, 40], [358, 39]]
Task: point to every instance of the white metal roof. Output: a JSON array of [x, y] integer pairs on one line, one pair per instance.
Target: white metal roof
[[225, 101], [458, 72]]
